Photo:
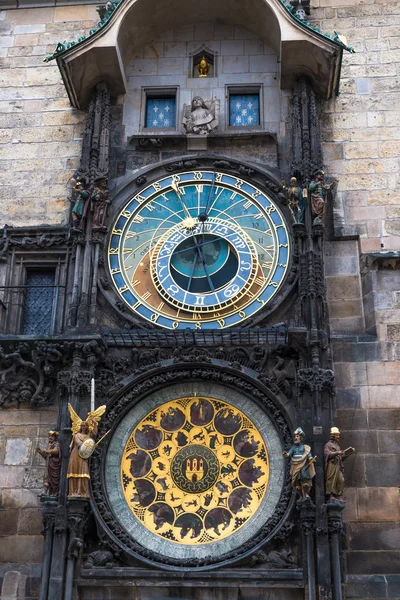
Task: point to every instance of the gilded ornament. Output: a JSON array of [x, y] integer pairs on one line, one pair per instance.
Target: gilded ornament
[[194, 470], [82, 447], [203, 67]]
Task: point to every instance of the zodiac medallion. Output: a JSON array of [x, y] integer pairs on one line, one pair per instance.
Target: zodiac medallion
[[194, 470]]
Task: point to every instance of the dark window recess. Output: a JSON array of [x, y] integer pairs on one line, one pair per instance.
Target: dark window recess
[[38, 304]]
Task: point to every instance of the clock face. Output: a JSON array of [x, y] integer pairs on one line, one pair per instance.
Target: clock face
[[201, 249], [195, 470]]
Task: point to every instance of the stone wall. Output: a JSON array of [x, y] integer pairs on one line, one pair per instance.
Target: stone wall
[[361, 149], [368, 415], [361, 141], [40, 134], [360, 127], [240, 58], [21, 482]]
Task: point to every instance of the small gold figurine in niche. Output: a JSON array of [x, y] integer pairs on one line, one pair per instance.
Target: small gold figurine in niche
[[203, 63], [203, 67]]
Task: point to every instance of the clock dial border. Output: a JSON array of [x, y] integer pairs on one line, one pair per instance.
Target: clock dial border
[[258, 298]]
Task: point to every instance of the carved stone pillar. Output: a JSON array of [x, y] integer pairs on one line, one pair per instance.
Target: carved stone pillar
[[77, 512], [94, 166], [307, 518], [306, 141], [315, 378], [335, 526], [49, 509]]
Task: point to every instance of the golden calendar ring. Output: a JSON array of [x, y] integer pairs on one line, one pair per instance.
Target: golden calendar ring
[[194, 470]]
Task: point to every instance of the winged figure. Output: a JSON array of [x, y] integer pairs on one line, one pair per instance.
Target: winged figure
[[78, 468], [93, 417]]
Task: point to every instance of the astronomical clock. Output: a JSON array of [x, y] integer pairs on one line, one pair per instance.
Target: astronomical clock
[[193, 472], [201, 249]]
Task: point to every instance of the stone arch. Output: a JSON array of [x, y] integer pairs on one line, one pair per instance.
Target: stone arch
[[105, 55]]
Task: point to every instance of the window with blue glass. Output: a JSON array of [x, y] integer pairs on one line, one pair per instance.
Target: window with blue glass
[[161, 112], [244, 110], [38, 304]]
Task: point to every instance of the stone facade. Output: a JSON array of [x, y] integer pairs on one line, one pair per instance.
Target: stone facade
[[41, 136], [21, 482], [40, 147]]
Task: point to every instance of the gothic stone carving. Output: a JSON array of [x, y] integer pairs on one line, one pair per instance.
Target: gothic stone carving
[[28, 373], [201, 117]]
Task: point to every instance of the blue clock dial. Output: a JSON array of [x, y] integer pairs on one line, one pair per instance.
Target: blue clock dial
[[201, 249]]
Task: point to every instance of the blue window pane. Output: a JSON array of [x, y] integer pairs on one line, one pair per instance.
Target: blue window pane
[[38, 304], [160, 112], [244, 110]]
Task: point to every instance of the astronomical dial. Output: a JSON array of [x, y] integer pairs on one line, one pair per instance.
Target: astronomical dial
[[201, 249]]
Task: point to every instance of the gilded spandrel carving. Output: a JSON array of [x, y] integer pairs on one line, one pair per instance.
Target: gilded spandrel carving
[[194, 470]]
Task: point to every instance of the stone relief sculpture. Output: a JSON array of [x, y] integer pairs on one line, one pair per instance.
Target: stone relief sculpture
[[52, 456], [302, 469], [334, 469], [318, 192], [201, 117], [82, 446]]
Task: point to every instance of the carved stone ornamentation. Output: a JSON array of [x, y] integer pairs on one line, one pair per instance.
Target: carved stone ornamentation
[[315, 379], [201, 117], [275, 559], [141, 180], [335, 521], [307, 517], [306, 150], [77, 382], [29, 371], [181, 165], [99, 558], [77, 509]]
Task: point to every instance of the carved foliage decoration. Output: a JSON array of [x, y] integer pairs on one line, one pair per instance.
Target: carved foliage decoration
[[28, 372], [316, 379]]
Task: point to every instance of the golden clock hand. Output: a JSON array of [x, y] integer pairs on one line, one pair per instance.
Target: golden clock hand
[[174, 186]]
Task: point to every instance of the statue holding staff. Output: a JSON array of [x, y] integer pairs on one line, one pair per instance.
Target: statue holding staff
[[52, 456]]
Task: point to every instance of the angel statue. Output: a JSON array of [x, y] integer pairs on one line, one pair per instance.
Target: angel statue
[[201, 117], [82, 446]]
